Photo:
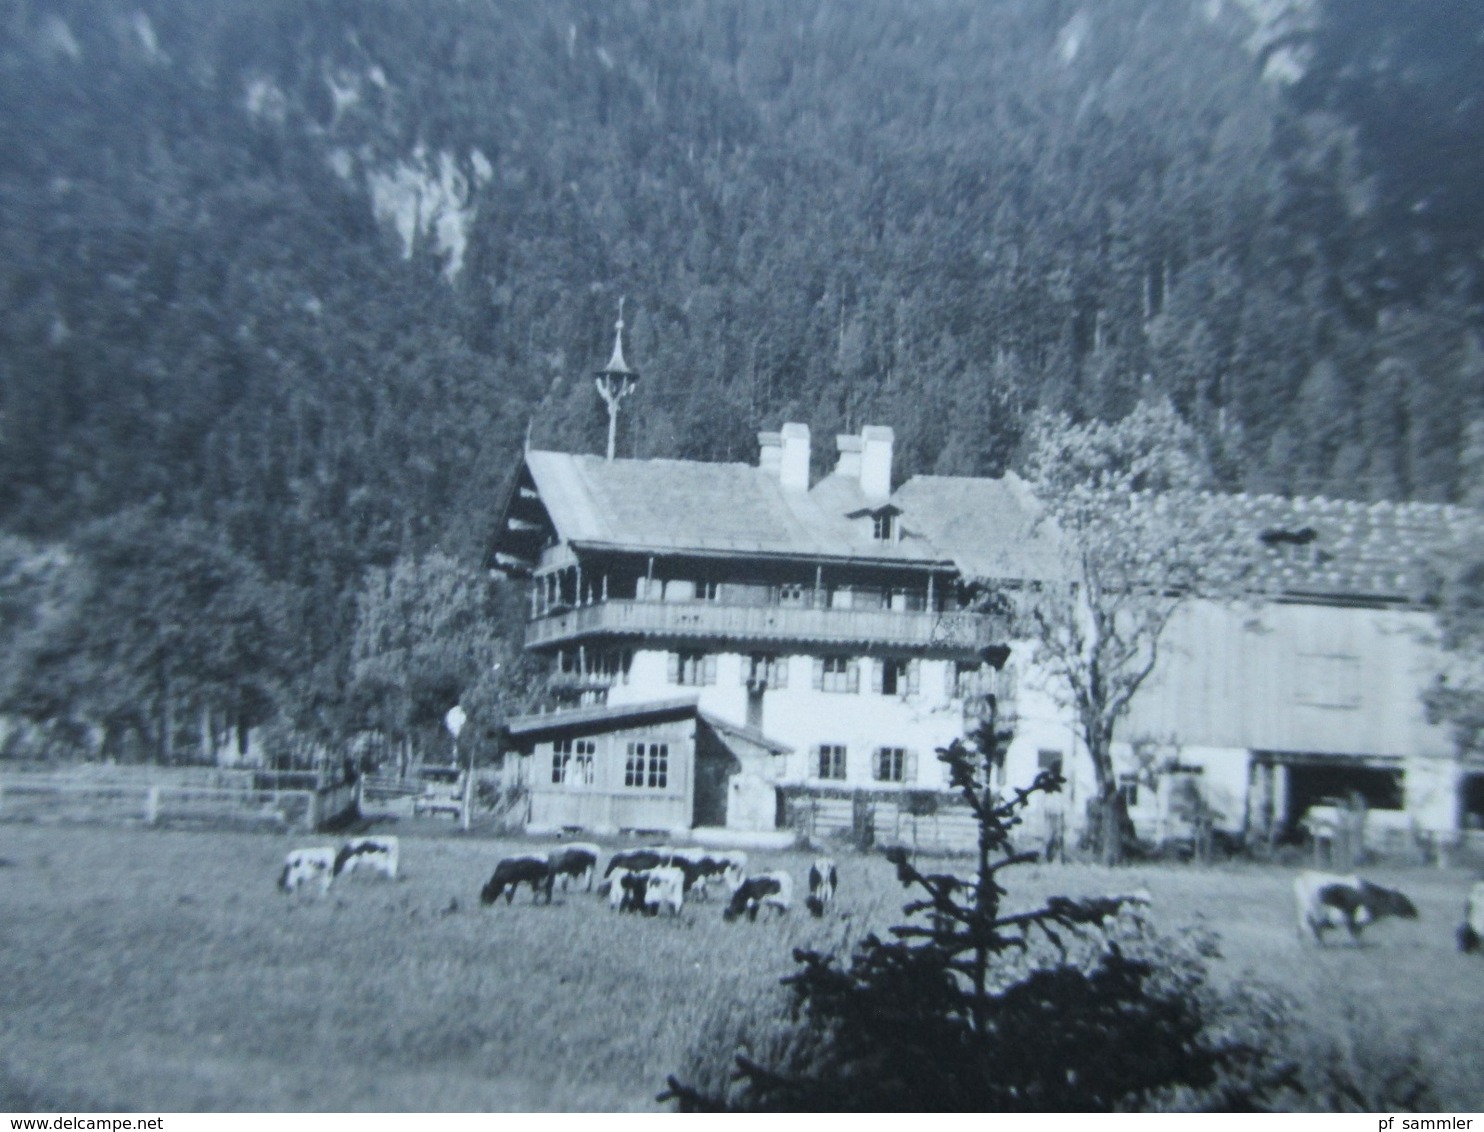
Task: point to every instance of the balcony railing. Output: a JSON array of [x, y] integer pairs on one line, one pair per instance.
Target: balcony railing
[[769, 623]]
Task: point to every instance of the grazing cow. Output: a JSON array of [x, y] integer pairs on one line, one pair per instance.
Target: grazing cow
[[1328, 901], [664, 887], [638, 860], [734, 866], [772, 890], [616, 890], [1471, 931], [528, 868], [574, 861], [822, 881], [648, 891], [307, 866], [378, 854]]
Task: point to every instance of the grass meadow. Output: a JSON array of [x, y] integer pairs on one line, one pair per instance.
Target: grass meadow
[[158, 970]]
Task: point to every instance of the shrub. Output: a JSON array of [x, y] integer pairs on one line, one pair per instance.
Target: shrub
[[1077, 1005]]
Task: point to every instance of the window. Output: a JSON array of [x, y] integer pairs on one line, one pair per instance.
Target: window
[[793, 595], [572, 762], [965, 680], [647, 765], [1048, 760], [892, 764], [894, 677], [692, 668], [1328, 680], [884, 525], [1128, 790], [765, 670], [708, 591], [837, 674], [830, 761]]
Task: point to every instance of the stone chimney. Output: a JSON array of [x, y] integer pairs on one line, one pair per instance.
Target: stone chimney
[[770, 452], [793, 471], [875, 461], [849, 464]]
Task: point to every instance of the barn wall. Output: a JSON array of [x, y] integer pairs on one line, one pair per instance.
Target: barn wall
[[1308, 678]]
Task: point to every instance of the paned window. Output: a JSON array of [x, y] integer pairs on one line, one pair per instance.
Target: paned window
[[572, 762], [765, 670], [895, 677], [837, 674], [647, 765], [891, 764], [830, 761], [692, 668]]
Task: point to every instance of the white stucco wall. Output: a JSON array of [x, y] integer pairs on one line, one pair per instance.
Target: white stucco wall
[[803, 717]]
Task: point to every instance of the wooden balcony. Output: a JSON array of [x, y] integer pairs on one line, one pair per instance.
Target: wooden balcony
[[949, 632]]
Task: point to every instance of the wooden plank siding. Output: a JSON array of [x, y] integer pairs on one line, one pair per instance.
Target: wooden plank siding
[[1310, 678], [607, 803]]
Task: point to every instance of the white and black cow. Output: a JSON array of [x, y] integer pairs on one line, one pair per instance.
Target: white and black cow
[[649, 890], [574, 861], [1471, 931], [374, 854], [822, 882], [307, 866], [1326, 900], [512, 872], [638, 860], [616, 891], [664, 887], [772, 890]]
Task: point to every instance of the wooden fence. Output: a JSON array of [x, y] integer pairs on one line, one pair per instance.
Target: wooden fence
[[70, 798]]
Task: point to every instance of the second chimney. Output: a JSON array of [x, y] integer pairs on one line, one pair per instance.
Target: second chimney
[[875, 461], [793, 471]]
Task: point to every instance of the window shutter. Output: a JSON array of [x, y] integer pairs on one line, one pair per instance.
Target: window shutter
[[818, 673], [909, 766], [854, 677], [780, 672], [673, 660], [878, 674], [950, 680], [914, 677], [748, 669], [708, 669]]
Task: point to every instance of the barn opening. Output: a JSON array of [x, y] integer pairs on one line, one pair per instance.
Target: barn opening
[[1330, 784], [1471, 801], [1285, 785]]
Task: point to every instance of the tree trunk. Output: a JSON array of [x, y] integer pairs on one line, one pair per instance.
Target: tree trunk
[[1111, 822]]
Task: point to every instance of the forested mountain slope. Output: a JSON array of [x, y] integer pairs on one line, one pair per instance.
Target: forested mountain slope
[[309, 271]]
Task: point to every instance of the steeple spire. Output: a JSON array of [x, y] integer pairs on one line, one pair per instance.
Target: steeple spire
[[616, 365], [616, 381]]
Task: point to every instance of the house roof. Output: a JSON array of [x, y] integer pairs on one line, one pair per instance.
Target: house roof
[[986, 529], [687, 505], [555, 722], [584, 716]]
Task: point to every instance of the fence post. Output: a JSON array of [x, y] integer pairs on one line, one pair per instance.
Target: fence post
[[152, 806]]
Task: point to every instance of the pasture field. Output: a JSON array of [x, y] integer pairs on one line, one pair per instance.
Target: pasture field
[[157, 970]]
